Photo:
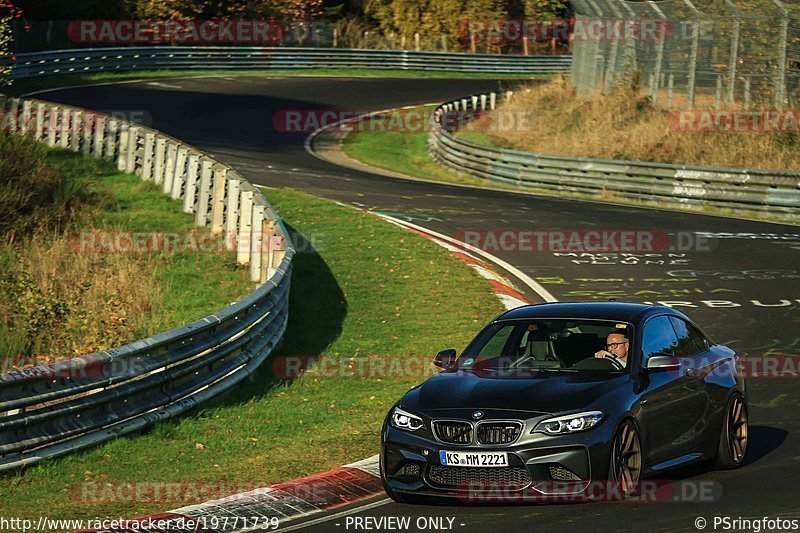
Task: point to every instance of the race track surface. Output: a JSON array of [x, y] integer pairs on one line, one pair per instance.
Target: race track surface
[[738, 279]]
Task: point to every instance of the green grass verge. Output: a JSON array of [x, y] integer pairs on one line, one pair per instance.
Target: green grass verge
[[369, 290], [71, 301], [24, 86], [407, 153], [194, 284]]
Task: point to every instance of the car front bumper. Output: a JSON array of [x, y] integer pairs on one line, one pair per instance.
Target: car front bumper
[[541, 467]]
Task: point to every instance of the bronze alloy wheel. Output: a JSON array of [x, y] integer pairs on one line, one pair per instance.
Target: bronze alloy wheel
[[737, 429], [626, 459]]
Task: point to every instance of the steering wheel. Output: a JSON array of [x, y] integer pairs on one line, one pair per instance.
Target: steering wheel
[[617, 364]]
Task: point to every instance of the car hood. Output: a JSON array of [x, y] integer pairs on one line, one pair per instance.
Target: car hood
[[545, 392]]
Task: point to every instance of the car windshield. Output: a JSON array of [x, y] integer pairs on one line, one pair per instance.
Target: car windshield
[[571, 345]]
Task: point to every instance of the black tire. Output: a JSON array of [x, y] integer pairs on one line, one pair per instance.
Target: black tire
[[733, 435], [625, 467]]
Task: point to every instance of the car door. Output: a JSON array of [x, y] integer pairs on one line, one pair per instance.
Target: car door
[[696, 365], [672, 401]]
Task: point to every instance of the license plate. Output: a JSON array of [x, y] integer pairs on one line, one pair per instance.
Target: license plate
[[476, 459]]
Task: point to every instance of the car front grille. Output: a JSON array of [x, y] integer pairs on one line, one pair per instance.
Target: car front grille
[[453, 432], [465, 478], [498, 432]]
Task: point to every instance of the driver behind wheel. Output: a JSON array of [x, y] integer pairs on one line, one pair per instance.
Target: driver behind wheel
[[616, 348]]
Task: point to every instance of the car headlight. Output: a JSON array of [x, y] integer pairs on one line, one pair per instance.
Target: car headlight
[[405, 420], [562, 425]]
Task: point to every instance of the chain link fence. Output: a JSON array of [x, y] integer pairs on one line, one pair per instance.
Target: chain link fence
[[731, 54]]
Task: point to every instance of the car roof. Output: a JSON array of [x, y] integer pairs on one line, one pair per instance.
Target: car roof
[[621, 311]]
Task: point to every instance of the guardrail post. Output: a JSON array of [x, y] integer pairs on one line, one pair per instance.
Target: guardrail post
[[245, 227], [13, 118], [179, 176], [88, 128], [232, 215], [201, 213], [169, 167], [278, 247], [122, 147], [26, 117], [483, 102], [509, 94], [256, 242], [278, 250], [64, 128], [75, 131], [267, 251], [158, 165], [111, 139], [133, 146], [475, 103], [218, 200], [192, 172], [147, 160], [52, 132], [39, 121], [492, 101], [99, 127]]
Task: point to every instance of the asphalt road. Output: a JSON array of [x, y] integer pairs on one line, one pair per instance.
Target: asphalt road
[[739, 279]]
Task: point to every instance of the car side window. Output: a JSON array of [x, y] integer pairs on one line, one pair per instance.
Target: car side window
[[690, 341], [497, 345], [658, 338]]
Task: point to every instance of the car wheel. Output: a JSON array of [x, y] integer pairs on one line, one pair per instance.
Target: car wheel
[[733, 437], [626, 459]]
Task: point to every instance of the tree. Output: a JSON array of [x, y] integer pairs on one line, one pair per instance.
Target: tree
[[545, 9], [216, 9], [9, 12]]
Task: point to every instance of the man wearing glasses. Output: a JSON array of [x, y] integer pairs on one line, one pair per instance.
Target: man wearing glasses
[[616, 348]]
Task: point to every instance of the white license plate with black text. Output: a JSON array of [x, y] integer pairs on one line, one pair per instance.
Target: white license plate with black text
[[477, 459]]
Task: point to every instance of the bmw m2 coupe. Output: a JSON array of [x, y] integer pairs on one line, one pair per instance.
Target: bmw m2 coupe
[[548, 398]]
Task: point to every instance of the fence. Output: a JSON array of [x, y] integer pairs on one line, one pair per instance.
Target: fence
[[691, 53], [94, 60], [750, 192], [62, 407]]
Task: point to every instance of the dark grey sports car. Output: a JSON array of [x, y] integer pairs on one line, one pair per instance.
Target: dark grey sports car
[[549, 398]]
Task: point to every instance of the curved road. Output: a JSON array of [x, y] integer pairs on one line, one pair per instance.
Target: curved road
[[739, 279]]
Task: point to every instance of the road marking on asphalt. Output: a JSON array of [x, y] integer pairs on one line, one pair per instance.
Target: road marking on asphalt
[[324, 519], [543, 293]]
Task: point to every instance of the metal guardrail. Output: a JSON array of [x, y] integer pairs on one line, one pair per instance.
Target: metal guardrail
[[94, 60], [54, 409], [753, 192]]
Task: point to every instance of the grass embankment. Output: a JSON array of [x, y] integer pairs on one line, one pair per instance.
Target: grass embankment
[[403, 150], [625, 125], [369, 292], [24, 86], [60, 299]]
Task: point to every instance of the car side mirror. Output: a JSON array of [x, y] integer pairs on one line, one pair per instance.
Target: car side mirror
[[445, 359], [663, 363]]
